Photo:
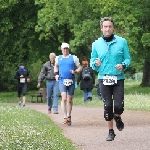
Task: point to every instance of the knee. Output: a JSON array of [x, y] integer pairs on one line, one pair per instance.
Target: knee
[[118, 109], [70, 101]]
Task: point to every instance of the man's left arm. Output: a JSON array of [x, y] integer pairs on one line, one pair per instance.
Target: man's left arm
[[126, 54], [77, 63]]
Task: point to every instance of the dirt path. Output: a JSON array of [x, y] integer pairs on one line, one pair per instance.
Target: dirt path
[[89, 129]]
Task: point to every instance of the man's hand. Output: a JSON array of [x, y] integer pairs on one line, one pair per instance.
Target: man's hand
[[57, 77], [28, 79], [21, 76], [119, 67], [38, 86], [73, 71], [97, 62]]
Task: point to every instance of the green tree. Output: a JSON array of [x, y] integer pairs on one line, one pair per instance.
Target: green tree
[[30, 30], [19, 41]]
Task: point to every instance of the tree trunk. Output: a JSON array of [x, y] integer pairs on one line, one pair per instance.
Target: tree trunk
[[146, 74]]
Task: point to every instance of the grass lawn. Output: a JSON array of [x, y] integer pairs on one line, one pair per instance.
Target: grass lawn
[[25, 129]]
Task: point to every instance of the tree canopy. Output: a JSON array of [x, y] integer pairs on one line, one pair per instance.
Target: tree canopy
[[31, 29]]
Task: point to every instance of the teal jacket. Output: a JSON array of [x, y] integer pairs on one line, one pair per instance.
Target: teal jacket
[[110, 54]]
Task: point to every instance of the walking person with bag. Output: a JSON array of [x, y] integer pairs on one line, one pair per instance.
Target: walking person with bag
[[110, 57], [86, 79], [47, 72]]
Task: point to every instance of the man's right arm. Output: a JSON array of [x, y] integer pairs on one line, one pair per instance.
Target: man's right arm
[[94, 58], [41, 76], [17, 76]]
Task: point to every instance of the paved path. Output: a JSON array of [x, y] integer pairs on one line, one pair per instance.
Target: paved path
[[89, 129]]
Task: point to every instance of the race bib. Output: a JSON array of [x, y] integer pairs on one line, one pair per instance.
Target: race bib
[[109, 80], [67, 82], [22, 80]]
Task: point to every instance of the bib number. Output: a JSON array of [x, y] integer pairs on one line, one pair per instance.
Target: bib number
[[22, 80], [109, 80], [67, 82]]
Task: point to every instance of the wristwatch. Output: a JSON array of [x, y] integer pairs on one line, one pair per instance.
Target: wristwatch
[[123, 65]]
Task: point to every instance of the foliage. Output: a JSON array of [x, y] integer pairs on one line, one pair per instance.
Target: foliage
[[83, 22], [31, 29], [35, 69], [30, 130]]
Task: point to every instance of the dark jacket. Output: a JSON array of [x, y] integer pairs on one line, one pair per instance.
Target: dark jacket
[[25, 74], [47, 72], [86, 84]]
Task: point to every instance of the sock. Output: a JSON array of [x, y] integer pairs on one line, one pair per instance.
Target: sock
[[111, 130]]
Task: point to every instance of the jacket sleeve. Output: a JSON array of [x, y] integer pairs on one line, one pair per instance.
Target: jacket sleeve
[[17, 75], [42, 74], [94, 55], [127, 58]]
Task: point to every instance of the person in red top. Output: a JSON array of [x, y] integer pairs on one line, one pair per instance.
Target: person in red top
[[86, 84]]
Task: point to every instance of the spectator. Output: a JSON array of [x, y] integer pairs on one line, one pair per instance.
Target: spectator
[[47, 72], [86, 84]]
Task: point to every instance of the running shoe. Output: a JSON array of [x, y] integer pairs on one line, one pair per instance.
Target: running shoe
[[111, 136], [119, 123]]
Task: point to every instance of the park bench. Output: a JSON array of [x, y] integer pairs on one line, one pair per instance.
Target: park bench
[[41, 94]]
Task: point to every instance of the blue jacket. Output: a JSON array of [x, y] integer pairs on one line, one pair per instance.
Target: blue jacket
[[110, 54]]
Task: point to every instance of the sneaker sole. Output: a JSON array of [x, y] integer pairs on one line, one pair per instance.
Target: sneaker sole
[[110, 139]]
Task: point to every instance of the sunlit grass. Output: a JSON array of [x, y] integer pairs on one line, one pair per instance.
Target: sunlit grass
[[137, 102], [25, 129]]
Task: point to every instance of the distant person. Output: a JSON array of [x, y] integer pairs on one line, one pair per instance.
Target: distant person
[[110, 57], [22, 76], [66, 65], [47, 72], [86, 79]]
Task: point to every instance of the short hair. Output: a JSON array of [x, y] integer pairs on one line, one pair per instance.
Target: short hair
[[52, 54], [106, 19]]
